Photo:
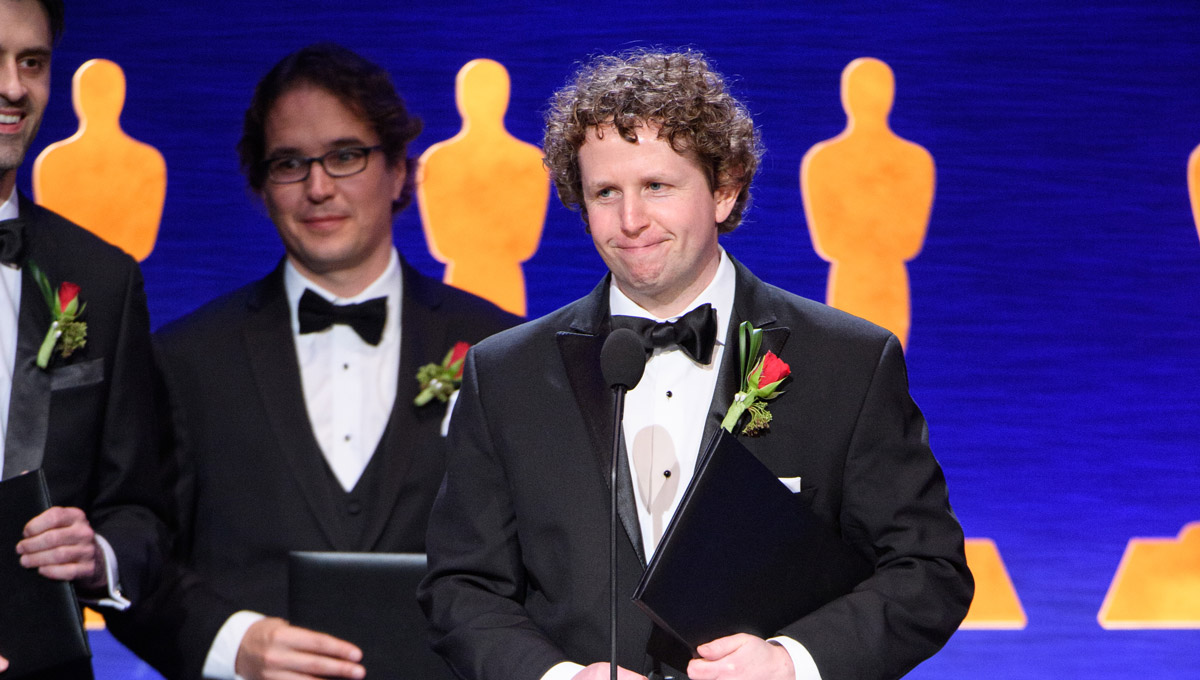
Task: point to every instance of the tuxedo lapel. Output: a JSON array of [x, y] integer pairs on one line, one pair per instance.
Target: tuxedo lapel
[[580, 351], [422, 340], [29, 403], [751, 302], [272, 352]]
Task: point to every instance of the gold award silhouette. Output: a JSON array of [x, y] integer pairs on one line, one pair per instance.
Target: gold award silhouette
[[101, 178], [867, 196], [483, 193], [1157, 584]]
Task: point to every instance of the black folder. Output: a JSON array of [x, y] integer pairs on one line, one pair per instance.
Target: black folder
[[41, 625], [369, 599], [742, 554]]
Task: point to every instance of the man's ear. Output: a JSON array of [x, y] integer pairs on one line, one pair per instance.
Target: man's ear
[[400, 170], [724, 197]]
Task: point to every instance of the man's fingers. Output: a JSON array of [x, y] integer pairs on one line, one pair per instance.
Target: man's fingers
[[54, 518], [303, 639], [722, 647], [272, 649], [600, 671]]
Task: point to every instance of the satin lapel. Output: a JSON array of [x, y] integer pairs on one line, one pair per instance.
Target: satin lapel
[[580, 351], [752, 301], [29, 405], [272, 351], [422, 340]]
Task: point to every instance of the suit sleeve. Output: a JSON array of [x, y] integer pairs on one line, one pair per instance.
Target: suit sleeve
[[173, 626], [895, 507], [476, 583], [129, 506]]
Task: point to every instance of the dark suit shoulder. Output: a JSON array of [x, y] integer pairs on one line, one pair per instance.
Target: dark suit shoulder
[[478, 317], [213, 321], [534, 335], [65, 250]]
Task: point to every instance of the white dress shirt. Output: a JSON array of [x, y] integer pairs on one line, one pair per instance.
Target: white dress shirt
[[10, 305], [349, 390], [663, 426]]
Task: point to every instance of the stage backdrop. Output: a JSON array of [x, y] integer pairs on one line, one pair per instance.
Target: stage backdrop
[[1055, 342]]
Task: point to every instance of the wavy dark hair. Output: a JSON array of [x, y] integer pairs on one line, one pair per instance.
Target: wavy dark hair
[[677, 91], [54, 15], [363, 86]]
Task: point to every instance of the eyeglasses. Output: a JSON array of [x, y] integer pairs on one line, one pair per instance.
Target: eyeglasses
[[343, 162]]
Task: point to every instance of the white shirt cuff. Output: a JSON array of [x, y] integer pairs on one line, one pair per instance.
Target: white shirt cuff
[[115, 599], [562, 671], [802, 661], [222, 655]]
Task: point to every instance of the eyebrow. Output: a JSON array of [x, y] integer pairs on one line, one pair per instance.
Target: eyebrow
[[340, 143]]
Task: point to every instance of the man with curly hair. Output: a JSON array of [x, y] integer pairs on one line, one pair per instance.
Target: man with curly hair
[[658, 158]]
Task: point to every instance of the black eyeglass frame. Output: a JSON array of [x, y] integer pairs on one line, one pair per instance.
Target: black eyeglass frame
[[308, 163]]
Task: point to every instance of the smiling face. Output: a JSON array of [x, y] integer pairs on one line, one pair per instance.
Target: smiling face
[[24, 82], [652, 216], [337, 232]]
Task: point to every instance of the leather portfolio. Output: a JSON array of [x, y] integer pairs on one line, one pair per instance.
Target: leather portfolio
[[369, 599], [742, 554], [41, 625]]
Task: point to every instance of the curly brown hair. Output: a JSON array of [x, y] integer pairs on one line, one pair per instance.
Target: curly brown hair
[[677, 91]]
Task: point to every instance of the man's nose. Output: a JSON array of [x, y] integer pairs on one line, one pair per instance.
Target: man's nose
[[319, 185], [633, 215], [12, 89]]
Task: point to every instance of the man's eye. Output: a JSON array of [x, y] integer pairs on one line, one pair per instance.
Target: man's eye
[[32, 63], [604, 193], [655, 186], [287, 163], [345, 156]]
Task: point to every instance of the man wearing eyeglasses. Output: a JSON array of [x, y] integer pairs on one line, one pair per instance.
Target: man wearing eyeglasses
[[292, 399]]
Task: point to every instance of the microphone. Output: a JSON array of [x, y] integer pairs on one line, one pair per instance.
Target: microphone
[[623, 359], [622, 363]]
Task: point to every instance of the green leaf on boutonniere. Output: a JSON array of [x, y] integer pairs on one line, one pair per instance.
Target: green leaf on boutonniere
[[66, 332], [439, 381], [761, 378]]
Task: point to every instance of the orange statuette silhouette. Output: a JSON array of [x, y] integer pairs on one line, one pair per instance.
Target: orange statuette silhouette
[[101, 178], [1157, 584], [483, 193], [867, 197], [996, 605], [1193, 182]]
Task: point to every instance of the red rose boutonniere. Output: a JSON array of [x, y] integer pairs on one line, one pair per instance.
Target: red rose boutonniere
[[66, 332], [760, 383], [440, 380]]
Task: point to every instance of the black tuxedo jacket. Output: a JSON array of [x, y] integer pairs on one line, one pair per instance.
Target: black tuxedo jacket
[[518, 538], [253, 484], [88, 420]]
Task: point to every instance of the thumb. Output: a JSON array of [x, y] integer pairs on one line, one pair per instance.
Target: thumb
[[720, 648]]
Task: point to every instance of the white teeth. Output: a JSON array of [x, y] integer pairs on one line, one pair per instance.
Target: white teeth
[[9, 119]]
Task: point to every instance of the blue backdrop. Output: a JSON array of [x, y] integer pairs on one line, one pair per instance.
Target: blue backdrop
[[1054, 346]]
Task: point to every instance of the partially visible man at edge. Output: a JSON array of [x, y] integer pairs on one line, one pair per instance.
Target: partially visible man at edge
[[659, 158], [292, 398], [86, 417]]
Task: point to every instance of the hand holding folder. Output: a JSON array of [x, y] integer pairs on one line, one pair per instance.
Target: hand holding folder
[[41, 625], [741, 555]]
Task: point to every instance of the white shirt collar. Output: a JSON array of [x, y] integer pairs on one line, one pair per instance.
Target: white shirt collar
[[719, 293]]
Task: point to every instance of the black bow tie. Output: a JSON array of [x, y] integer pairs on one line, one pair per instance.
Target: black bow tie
[[12, 241], [694, 332], [366, 318]]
